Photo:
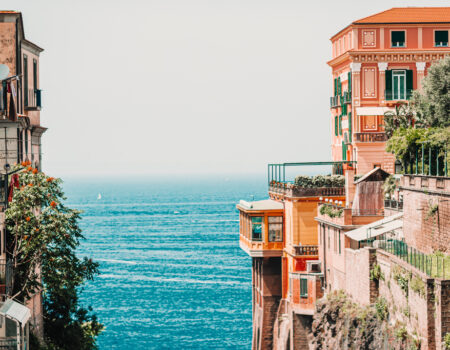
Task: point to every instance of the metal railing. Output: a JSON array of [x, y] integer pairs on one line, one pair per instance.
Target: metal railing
[[370, 137], [432, 265], [8, 344], [425, 160], [334, 101], [276, 173], [295, 191], [390, 95], [33, 98], [309, 250], [393, 204], [347, 97]]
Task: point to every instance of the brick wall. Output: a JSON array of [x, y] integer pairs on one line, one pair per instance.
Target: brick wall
[[442, 321], [301, 325], [423, 230]]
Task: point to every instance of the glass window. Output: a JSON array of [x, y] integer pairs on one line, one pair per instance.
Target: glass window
[[399, 85], [257, 222], [398, 38], [275, 228], [441, 38], [303, 287]]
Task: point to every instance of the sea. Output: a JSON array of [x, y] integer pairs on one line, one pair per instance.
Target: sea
[[172, 275]]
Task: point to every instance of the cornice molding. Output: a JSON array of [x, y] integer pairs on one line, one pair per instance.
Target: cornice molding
[[401, 57]]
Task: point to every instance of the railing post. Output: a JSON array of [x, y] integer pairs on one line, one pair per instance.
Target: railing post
[[423, 157], [429, 161], [417, 160], [437, 162]]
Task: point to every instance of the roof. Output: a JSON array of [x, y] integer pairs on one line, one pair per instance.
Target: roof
[[267, 204], [409, 15], [373, 176], [6, 11], [14, 310], [376, 228]]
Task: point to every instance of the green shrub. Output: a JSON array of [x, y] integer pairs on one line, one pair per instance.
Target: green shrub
[[331, 211], [418, 286], [376, 274], [447, 341], [381, 308], [319, 181]]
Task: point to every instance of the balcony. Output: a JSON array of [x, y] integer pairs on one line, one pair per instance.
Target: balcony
[[33, 99], [290, 190], [370, 137], [334, 101], [306, 250], [390, 95], [393, 204], [347, 98]]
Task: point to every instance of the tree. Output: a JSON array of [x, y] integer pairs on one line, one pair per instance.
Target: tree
[[43, 235], [401, 117], [432, 105]]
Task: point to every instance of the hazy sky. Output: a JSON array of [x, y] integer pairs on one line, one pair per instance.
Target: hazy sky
[[186, 86]]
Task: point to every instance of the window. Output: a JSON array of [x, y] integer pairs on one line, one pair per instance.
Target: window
[[35, 75], [399, 84], [398, 38], [303, 287], [275, 228], [441, 38], [25, 80], [257, 228]]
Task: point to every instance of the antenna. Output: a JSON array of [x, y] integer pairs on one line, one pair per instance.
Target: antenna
[[4, 71]]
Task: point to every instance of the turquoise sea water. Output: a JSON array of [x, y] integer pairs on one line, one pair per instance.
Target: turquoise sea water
[[172, 273]]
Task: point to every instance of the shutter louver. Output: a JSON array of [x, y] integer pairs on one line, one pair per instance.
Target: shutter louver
[[388, 92], [409, 83]]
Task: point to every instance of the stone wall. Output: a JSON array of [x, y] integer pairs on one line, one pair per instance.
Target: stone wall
[[422, 306]]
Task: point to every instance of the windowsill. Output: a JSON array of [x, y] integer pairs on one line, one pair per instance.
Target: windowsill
[[440, 45]]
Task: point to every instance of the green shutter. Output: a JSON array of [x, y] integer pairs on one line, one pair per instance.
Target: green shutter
[[388, 94], [339, 85], [350, 81], [335, 86], [350, 127], [344, 151], [303, 287], [340, 124], [336, 125], [409, 82]]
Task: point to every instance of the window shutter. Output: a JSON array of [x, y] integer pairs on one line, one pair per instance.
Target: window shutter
[[409, 80], [344, 152], [336, 125], [335, 87], [388, 92], [340, 124], [350, 127], [339, 85], [349, 81]]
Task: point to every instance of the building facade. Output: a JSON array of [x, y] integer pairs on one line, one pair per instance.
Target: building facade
[[308, 240], [376, 63], [20, 141]]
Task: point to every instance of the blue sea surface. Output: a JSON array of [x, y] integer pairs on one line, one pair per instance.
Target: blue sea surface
[[172, 273]]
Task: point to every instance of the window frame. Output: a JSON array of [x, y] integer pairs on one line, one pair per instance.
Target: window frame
[[399, 73], [434, 37], [392, 42], [269, 224], [253, 224]]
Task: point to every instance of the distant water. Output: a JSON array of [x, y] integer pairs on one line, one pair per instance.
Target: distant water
[[172, 273]]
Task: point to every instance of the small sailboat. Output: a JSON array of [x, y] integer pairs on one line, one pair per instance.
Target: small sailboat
[[99, 196]]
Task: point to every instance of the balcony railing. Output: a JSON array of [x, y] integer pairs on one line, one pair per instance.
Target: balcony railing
[[33, 99], [370, 137], [334, 101], [390, 95], [393, 204], [434, 265], [347, 98], [309, 250], [291, 190]]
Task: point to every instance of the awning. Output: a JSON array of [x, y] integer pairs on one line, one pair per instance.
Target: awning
[[372, 110], [267, 204], [377, 228], [15, 311]]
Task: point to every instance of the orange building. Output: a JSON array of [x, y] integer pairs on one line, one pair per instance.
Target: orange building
[[377, 62]]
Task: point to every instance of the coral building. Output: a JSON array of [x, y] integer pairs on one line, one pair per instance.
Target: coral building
[[312, 238]]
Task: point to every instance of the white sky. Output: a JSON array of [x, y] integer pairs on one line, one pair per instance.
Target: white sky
[[186, 86]]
